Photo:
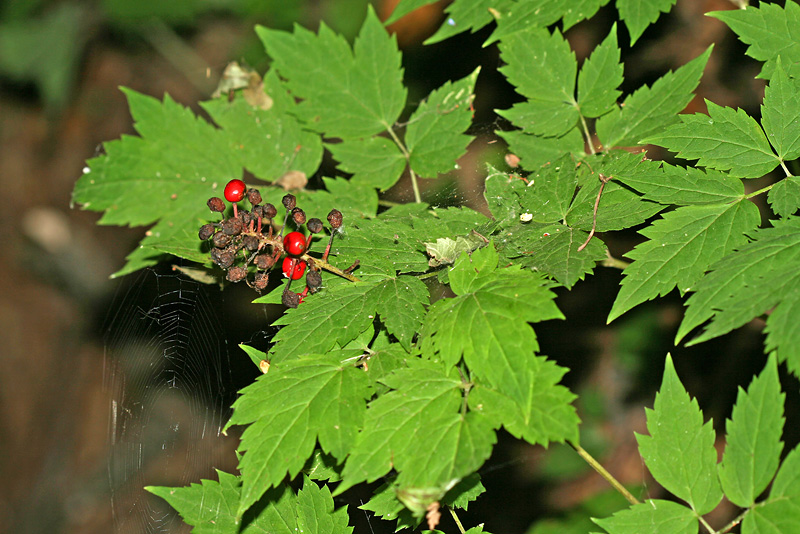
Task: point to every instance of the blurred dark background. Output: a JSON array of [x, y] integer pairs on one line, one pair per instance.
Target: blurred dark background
[[61, 64]]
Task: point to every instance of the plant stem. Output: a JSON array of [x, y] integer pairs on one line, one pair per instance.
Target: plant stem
[[322, 264], [760, 191], [404, 151], [611, 261], [594, 464], [738, 519], [458, 522], [708, 527], [587, 135]]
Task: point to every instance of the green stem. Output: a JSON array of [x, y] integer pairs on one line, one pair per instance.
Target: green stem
[[706, 525], [458, 522], [760, 191], [328, 267], [587, 135], [738, 519], [594, 464], [404, 151]]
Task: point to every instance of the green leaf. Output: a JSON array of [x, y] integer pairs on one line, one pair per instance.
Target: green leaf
[[345, 311], [619, 207], [639, 14], [288, 409], [268, 142], [487, 323], [784, 197], [725, 139], [770, 30], [374, 161], [550, 191], [600, 77], [536, 150], [463, 493], [679, 451], [780, 513], [552, 249], [256, 356], [463, 15], [654, 517], [404, 7], [736, 290], [519, 16], [680, 248], [534, 407], [315, 511], [501, 194], [385, 504], [754, 446], [434, 136], [650, 109], [684, 186], [178, 163], [210, 507], [542, 68], [780, 113], [578, 10], [345, 93], [422, 393], [444, 451]]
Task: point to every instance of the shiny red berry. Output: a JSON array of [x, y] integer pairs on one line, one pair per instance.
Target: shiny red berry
[[295, 273], [234, 191], [294, 243]]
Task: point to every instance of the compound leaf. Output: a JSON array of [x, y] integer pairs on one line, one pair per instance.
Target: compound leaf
[[736, 290], [487, 324], [770, 30], [435, 134], [779, 513], [650, 109], [680, 247], [639, 14], [375, 161], [542, 68], [600, 77], [780, 113], [345, 92], [654, 517], [725, 139], [784, 197], [287, 410], [421, 393], [753, 432], [536, 407], [684, 186], [210, 507], [679, 451]]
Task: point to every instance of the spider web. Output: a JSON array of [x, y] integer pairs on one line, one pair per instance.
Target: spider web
[[168, 372]]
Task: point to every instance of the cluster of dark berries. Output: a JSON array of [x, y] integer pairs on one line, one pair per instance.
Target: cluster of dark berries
[[246, 243]]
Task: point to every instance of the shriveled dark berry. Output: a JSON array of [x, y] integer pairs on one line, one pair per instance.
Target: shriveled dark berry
[[314, 225], [236, 274], [290, 299], [335, 218], [232, 226], [299, 216], [221, 240], [246, 217], [216, 204], [254, 197], [250, 242], [206, 231], [222, 257], [289, 201], [260, 282], [270, 211], [265, 262], [314, 281]]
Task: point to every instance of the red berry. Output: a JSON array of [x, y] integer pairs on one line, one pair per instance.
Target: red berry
[[297, 272], [294, 244], [234, 191]]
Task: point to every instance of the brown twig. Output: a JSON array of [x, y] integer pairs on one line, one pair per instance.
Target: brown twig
[[603, 181]]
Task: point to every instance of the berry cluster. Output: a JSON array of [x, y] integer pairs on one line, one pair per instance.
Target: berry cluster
[[246, 242]]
